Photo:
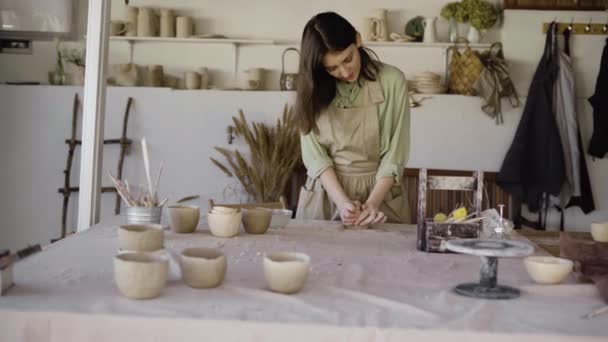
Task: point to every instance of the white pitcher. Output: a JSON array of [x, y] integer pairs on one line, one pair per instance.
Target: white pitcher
[[430, 32]]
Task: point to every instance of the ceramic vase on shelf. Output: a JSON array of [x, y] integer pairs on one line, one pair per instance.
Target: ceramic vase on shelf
[[147, 22], [462, 29], [430, 32], [453, 30], [167, 23], [474, 35], [184, 27]]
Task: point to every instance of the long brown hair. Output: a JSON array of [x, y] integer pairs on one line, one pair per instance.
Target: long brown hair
[[316, 88]]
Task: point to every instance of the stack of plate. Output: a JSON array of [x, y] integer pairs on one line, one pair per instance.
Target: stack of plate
[[429, 83]]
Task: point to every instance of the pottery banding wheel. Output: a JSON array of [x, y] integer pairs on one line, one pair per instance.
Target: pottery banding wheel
[[489, 251]]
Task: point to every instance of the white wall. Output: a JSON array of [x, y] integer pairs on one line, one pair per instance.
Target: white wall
[[264, 19], [182, 126]]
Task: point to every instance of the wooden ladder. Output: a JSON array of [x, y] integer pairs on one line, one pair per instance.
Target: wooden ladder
[[67, 189]]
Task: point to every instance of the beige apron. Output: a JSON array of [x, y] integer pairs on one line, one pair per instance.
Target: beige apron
[[351, 137]]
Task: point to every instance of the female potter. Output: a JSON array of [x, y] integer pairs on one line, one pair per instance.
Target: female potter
[[354, 117]]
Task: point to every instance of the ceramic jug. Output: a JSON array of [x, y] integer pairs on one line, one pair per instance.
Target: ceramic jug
[[288, 81], [147, 22], [132, 14], [205, 79], [125, 75], [430, 33], [192, 80], [183, 27], [167, 23], [154, 75], [255, 78], [380, 25], [367, 29]]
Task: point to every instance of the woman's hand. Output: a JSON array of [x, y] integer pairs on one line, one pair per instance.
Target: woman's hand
[[349, 212], [371, 214]]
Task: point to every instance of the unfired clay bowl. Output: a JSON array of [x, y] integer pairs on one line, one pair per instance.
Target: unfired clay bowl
[[203, 267], [257, 220], [286, 272], [183, 219], [548, 270], [140, 275], [140, 237], [224, 225], [599, 231], [223, 210], [280, 218]]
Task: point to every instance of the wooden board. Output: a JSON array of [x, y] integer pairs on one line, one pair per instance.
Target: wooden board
[[435, 235]]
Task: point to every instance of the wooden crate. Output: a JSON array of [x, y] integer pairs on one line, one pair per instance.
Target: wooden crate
[[431, 236]]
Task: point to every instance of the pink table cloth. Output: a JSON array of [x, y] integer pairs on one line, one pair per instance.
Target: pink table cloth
[[364, 285]]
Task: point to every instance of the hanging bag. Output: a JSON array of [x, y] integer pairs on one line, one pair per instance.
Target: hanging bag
[[464, 70], [494, 83]]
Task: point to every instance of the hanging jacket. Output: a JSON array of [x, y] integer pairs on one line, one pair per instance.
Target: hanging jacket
[[534, 164], [567, 124], [598, 147], [584, 199], [576, 190]]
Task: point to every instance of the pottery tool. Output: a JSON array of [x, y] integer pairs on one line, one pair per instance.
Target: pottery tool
[[188, 198], [473, 220], [122, 190], [6, 265], [596, 313], [160, 171], [6, 258], [144, 149]]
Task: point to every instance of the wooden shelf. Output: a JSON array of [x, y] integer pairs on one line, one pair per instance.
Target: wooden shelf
[[193, 40], [244, 41]]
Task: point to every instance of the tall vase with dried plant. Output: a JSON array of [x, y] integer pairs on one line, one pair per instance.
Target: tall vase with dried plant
[[274, 153]]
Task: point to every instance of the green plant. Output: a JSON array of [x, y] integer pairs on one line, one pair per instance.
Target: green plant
[[75, 56], [59, 69], [274, 152], [481, 13], [454, 10]]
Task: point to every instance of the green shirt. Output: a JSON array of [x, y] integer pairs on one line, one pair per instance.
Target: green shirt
[[394, 116]]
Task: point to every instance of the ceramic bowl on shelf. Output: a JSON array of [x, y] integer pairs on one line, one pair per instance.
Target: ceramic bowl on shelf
[[140, 237], [548, 270], [286, 272], [140, 275]]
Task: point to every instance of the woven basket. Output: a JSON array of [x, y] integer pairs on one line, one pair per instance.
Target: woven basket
[[465, 68]]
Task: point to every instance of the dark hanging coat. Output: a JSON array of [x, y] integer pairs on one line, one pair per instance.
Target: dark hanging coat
[[534, 164], [598, 147], [585, 200]]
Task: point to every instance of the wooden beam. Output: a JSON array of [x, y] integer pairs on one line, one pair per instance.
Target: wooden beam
[[93, 113]]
